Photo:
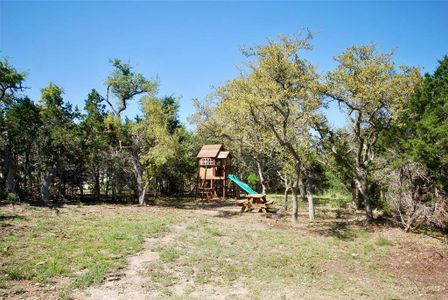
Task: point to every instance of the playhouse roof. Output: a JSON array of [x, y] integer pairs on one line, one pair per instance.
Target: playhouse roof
[[209, 151], [223, 154]]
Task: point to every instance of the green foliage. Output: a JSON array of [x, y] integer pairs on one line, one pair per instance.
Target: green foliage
[[423, 126], [372, 92], [59, 143], [11, 82], [124, 84], [11, 197], [253, 179], [170, 109], [51, 97], [57, 118], [152, 134], [22, 123], [334, 199], [270, 108]]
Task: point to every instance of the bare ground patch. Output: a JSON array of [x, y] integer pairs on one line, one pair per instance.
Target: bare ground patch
[[425, 265]]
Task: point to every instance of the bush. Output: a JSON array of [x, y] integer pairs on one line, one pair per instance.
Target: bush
[[415, 200], [11, 197], [253, 179], [3, 194]]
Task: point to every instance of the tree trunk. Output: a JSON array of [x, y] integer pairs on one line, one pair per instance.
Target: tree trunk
[[309, 196], [354, 190], [81, 189], [302, 189], [361, 184], [356, 199], [11, 176], [141, 185], [142, 194], [97, 185], [285, 196], [287, 188], [28, 179], [156, 188], [114, 193], [262, 179], [140, 189], [106, 188], [45, 187], [62, 186], [11, 179], [295, 203]]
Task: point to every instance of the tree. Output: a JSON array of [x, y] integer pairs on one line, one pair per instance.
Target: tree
[[371, 91], [178, 170], [151, 144], [170, 109], [124, 85], [22, 123], [11, 82], [279, 94], [424, 125], [95, 145], [57, 137], [417, 163], [49, 144]]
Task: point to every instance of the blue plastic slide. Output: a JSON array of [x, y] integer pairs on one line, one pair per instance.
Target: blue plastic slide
[[241, 184]]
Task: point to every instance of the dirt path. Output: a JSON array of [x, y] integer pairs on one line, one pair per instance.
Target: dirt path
[[130, 284]]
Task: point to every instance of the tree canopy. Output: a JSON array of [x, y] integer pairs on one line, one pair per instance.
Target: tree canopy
[[391, 156]]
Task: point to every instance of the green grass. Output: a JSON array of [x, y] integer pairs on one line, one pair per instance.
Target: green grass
[[169, 254], [78, 243], [333, 199], [382, 241]]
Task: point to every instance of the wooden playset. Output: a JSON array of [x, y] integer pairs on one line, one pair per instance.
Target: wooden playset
[[214, 164], [216, 178]]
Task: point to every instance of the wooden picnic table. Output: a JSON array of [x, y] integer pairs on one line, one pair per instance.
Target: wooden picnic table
[[207, 193], [256, 202]]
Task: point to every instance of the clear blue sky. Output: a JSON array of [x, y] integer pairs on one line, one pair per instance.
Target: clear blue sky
[[193, 46]]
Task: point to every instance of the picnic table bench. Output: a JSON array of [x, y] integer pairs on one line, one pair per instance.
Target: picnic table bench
[[256, 202], [207, 193]]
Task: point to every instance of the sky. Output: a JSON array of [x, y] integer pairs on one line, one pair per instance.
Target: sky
[[192, 47]]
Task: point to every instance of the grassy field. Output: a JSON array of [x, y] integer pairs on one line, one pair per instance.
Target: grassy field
[[214, 251], [70, 248]]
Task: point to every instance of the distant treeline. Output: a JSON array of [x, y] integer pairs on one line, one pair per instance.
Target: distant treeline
[[51, 151], [391, 156]]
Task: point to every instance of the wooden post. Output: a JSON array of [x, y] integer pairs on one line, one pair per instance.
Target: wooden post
[[197, 180], [205, 182], [224, 183]]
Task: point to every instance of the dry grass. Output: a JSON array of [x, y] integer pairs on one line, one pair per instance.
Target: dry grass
[[222, 253]]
